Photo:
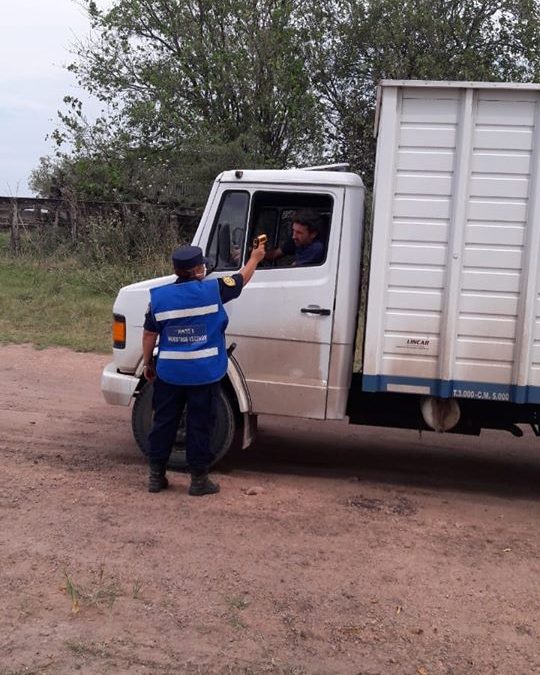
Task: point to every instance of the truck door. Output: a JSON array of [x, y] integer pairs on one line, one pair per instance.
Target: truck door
[[282, 323]]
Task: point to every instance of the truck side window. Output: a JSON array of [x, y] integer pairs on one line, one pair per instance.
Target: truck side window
[[274, 214], [225, 249]]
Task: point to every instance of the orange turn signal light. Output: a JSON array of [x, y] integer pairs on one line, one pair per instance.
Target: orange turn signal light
[[119, 331]]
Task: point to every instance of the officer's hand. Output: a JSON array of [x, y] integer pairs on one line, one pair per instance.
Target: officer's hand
[[149, 373], [258, 253]]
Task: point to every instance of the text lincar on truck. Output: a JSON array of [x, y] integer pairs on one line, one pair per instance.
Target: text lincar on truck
[[449, 338]]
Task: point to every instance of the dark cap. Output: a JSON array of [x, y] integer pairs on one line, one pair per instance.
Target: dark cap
[[187, 257]]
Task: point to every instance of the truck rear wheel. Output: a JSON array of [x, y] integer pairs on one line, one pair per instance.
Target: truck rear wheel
[[222, 436]]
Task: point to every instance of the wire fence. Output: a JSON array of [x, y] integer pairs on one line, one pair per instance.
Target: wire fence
[[74, 221]]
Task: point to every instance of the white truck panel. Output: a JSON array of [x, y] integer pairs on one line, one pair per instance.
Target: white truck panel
[[420, 277], [440, 136], [419, 208], [496, 235], [437, 159], [409, 366], [416, 300], [485, 280], [453, 294], [425, 322], [346, 298]]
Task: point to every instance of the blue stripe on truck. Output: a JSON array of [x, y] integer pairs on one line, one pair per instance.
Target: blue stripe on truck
[[484, 391]]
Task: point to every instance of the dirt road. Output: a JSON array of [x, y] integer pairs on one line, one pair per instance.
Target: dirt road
[[362, 551]]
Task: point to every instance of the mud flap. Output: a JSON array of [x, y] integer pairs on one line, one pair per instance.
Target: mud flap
[[250, 430]]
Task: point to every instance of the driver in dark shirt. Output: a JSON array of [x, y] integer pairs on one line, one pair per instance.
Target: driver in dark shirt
[[304, 242]]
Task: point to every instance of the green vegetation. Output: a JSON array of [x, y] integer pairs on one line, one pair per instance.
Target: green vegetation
[[236, 604], [48, 304], [192, 87], [62, 298], [103, 590]]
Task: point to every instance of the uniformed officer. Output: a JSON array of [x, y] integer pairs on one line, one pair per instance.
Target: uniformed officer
[[189, 318]]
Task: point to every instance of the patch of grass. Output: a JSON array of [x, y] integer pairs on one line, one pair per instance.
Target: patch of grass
[[73, 593], [136, 590], [62, 304], [236, 601], [236, 622], [52, 306], [85, 649], [63, 296], [102, 591]]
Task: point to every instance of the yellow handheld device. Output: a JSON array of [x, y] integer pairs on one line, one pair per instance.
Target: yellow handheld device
[[260, 240]]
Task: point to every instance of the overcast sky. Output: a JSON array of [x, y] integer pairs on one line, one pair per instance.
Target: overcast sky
[[35, 41]]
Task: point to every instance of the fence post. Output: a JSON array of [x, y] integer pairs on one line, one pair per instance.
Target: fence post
[[39, 218], [56, 217], [73, 217], [15, 229]]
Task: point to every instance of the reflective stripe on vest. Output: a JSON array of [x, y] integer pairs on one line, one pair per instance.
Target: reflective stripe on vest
[[182, 313], [199, 354], [191, 321]]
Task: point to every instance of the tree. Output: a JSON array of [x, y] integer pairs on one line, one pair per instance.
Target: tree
[[192, 84], [195, 86], [367, 41]]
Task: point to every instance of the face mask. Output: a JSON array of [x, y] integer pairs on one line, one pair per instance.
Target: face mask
[[201, 274]]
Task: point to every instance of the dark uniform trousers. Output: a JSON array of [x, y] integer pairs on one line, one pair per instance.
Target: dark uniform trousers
[[169, 401]]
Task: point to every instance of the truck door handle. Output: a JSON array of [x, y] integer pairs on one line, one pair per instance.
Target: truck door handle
[[315, 310]]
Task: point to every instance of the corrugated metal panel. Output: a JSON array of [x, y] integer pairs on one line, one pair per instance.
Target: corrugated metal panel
[[498, 201], [454, 291]]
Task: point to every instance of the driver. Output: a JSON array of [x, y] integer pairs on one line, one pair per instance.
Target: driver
[[304, 243]]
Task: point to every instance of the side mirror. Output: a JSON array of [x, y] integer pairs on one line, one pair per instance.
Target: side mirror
[[223, 248], [224, 244], [238, 236]]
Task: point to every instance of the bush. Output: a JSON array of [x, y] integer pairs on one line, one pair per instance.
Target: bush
[[112, 248]]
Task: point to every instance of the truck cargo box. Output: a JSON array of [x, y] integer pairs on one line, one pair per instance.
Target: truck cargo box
[[453, 305]]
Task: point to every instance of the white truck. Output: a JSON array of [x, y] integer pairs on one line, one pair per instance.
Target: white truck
[[448, 337]]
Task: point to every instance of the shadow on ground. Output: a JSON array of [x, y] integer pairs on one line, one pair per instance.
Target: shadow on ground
[[493, 463]]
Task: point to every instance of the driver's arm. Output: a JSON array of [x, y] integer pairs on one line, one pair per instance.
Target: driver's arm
[[274, 254]]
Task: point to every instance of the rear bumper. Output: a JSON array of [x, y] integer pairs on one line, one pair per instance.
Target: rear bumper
[[117, 388]]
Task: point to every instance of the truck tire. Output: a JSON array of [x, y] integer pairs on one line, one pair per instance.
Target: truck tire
[[222, 436]]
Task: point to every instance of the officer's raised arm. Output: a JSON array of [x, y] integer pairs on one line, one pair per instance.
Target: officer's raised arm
[[257, 254]]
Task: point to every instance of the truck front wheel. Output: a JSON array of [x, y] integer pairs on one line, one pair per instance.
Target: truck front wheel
[[222, 435]]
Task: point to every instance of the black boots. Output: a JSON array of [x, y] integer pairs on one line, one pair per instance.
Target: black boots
[[157, 480], [202, 485]]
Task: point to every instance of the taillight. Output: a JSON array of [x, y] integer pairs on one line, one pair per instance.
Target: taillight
[[119, 331]]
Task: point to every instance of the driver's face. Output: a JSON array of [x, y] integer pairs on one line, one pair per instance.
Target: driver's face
[[301, 234]]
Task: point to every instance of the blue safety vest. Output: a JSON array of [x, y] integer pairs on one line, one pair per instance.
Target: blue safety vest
[[191, 321]]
